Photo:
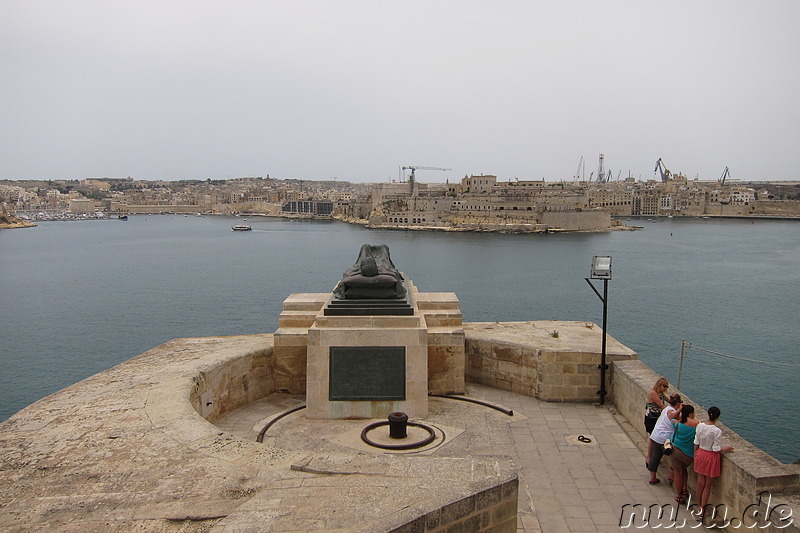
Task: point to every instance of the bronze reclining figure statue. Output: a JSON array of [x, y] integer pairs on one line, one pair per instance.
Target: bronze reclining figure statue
[[373, 276]]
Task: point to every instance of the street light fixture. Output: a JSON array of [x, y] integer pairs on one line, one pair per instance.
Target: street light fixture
[[601, 269]]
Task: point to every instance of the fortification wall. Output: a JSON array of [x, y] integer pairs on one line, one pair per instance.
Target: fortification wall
[[787, 208], [577, 220]]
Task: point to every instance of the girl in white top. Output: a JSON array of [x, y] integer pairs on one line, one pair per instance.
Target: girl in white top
[[707, 455]]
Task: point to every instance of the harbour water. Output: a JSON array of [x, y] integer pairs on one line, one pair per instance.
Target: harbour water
[[80, 297]]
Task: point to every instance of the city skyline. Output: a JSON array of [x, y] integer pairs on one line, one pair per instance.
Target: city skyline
[[354, 90]]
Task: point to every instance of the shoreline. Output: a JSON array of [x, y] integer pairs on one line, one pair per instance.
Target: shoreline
[[17, 225]]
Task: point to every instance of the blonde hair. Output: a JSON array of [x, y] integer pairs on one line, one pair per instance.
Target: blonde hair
[[661, 381]]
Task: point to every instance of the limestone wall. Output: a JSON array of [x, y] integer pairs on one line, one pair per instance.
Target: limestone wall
[[491, 510], [776, 207], [223, 388], [577, 220], [746, 472], [550, 360]]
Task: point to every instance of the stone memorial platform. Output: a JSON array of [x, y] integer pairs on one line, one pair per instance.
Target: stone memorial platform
[[367, 358]]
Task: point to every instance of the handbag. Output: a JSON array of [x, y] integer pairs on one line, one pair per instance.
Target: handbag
[[668, 447]]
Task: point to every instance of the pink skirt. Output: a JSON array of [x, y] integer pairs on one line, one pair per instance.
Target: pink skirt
[[707, 463]]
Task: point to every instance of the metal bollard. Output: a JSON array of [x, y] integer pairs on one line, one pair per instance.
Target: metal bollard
[[398, 423]]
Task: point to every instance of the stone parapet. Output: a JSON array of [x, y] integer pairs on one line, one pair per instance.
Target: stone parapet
[[549, 360]]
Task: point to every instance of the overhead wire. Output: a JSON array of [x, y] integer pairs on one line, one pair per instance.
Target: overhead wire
[[739, 358]]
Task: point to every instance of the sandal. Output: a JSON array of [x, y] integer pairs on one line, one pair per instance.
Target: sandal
[[680, 498], [655, 482]]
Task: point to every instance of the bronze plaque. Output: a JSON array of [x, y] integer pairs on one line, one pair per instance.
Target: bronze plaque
[[367, 373]]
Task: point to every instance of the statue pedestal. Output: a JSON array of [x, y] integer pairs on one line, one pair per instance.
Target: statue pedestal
[[367, 366]]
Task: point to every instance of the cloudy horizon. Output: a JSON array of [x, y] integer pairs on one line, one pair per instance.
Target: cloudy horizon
[[354, 90]]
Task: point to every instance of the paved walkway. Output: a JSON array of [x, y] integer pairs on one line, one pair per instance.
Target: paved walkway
[[565, 485]]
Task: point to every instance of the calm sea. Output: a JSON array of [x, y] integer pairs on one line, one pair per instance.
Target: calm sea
[[79, 297]]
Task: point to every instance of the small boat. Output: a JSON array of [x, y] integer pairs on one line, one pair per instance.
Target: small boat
[[123, 217], [241, 227]]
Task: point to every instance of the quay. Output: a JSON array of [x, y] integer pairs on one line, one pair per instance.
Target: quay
[[169, 441]]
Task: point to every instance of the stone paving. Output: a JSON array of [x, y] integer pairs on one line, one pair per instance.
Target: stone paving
[[565, 485]]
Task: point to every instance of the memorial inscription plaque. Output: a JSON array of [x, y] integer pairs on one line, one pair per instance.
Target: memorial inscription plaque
[[367, 373]]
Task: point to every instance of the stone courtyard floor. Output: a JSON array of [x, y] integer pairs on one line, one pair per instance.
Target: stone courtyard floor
[[566, 485]]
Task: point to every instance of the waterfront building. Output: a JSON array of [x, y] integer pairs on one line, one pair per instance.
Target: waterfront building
[[81, 206]]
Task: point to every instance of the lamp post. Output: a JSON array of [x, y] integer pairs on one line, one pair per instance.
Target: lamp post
[[601, 269]]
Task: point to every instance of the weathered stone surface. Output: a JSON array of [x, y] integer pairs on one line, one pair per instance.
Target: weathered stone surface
[[551, 360], [127, 450]]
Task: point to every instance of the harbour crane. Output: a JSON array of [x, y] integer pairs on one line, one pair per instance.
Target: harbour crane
[[414, 168], [665, 173], [725, 174], [578, 173], [601, 175]]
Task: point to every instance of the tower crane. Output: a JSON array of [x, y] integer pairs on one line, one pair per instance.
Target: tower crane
[[414, 168], [665, 173], [725, 174], [578, 173]]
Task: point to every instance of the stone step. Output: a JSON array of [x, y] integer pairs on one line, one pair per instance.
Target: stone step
[[312, 301], [297, 319], [288, 336], [437, 300], [443, 317]]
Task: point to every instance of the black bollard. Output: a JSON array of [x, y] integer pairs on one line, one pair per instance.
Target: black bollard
[[398, 423]]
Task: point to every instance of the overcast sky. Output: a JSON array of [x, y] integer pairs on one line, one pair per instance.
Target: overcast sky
[[354, 89]]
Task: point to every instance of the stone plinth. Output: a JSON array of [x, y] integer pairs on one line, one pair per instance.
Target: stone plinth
[[405, 333], [432, 338]]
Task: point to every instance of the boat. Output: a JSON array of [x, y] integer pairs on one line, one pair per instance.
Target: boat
[[123, 217], [241, 227]]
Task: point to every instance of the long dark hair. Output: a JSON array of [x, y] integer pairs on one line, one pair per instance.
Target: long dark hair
[[686, 411]]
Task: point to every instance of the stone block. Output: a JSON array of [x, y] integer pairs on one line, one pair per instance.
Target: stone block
[[306, 301], [437, 300], [443, 318], [296, 319], [507, 352], [446, 337], [291, 337]]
